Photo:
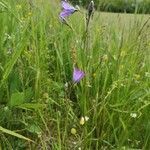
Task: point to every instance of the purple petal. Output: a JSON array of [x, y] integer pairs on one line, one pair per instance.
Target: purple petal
[[67, 10], [67, 6], [77, 75], [65, 13]]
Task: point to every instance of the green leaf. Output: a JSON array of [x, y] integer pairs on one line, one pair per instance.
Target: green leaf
[[33, 128], [28, 94], [16, 99], [15, 134], [14, 81], [16, 54], [35, 106]]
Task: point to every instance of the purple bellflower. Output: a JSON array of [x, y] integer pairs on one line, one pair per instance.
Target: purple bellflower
[[77, 75], [67, 10]]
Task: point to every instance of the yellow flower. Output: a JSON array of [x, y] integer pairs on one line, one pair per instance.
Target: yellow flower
[[73, 131], [82, 121]]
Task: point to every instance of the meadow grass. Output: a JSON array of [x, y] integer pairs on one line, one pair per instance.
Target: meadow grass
[[37, 55]]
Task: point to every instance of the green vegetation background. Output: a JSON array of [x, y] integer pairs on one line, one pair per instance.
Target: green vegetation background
[[129, 6], [38, 112]]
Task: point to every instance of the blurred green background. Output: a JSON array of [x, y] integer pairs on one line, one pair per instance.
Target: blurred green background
[[129, 6]]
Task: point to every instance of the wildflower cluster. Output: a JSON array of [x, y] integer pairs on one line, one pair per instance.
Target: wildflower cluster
[[67, 10], [78, 74], [82, 121]]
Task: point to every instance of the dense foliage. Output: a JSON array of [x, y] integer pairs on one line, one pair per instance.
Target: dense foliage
[[41, 106], [129, 6]]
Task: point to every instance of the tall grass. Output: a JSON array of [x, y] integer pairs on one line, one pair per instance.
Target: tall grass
[[37, 54]]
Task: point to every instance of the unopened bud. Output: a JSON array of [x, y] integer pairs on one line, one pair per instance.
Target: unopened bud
[[77, 7], [90, 8]]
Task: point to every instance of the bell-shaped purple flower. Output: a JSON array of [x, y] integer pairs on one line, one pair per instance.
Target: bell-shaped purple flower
[[77, 75], [67, 10]]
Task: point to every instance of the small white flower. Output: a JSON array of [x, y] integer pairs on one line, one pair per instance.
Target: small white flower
[[66, 85], [77, 41], [86, 118], [6, 108], [74, 143], [133, 115]]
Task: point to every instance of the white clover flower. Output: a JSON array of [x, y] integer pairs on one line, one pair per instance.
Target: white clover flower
[[133, 115]]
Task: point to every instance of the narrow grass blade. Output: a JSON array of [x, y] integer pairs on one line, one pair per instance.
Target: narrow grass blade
[[15, 134]]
